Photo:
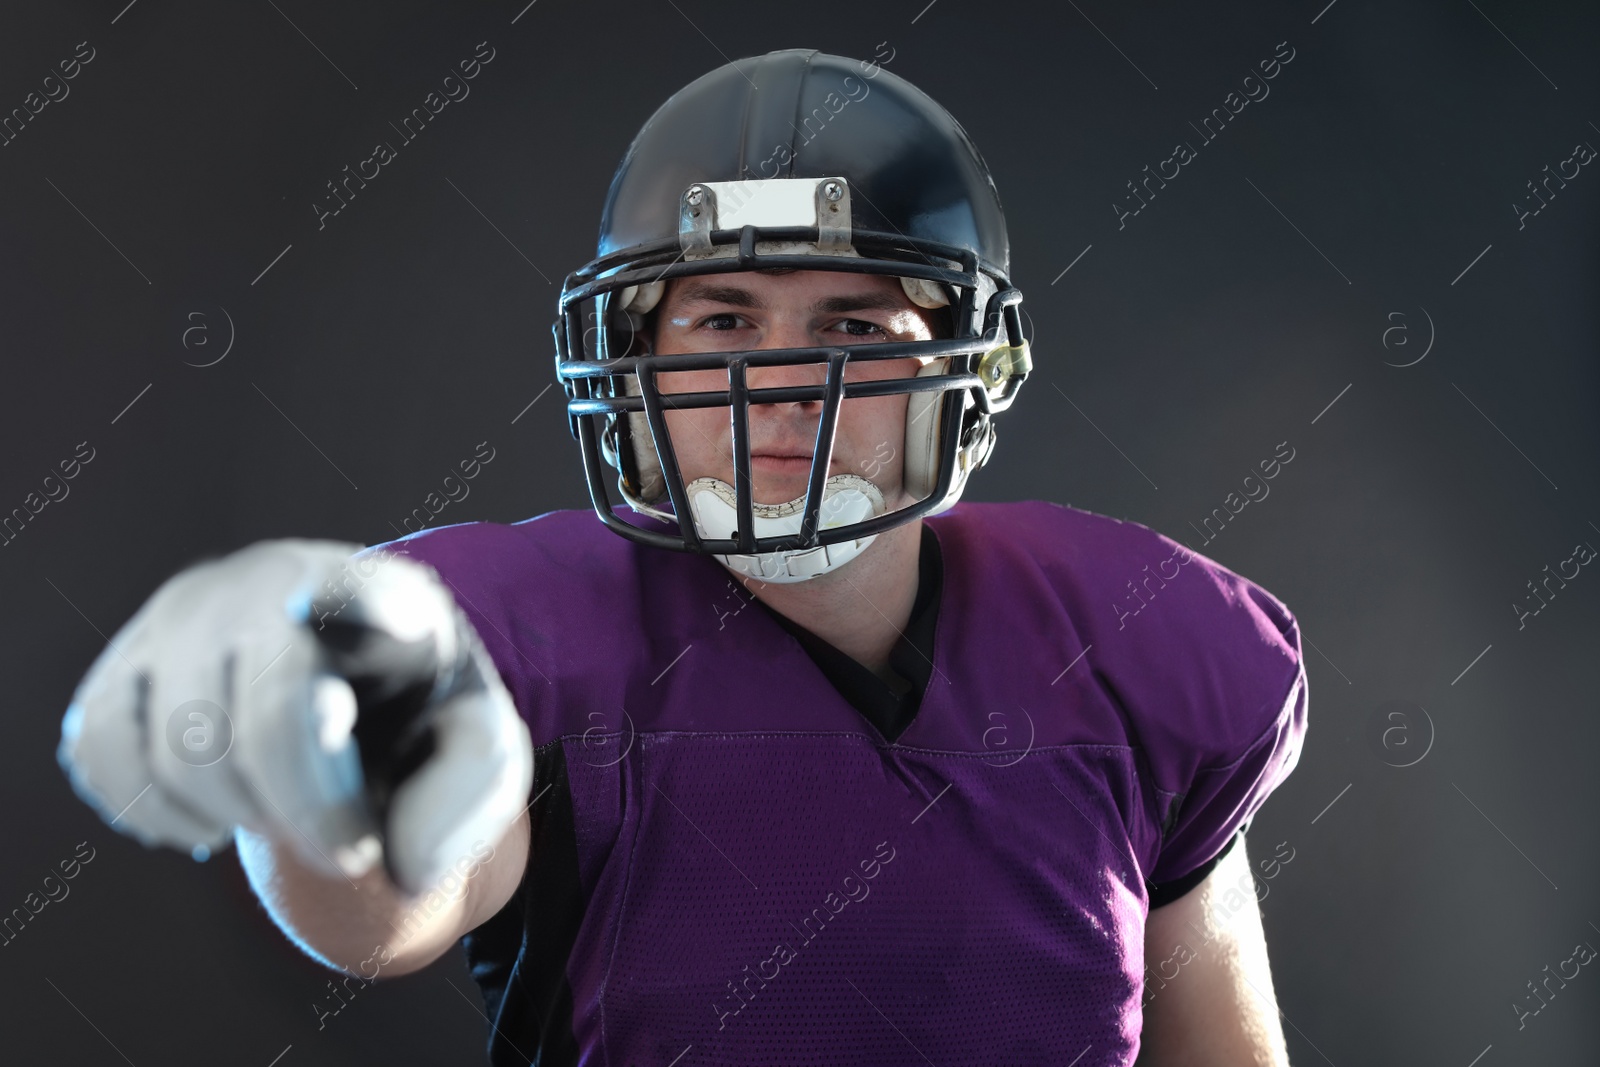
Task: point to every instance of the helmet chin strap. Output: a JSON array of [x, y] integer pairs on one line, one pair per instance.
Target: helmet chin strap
[[846, 498]]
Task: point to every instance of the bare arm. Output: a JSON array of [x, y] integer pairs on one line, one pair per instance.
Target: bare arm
[[366, 922], [1218, 1008]]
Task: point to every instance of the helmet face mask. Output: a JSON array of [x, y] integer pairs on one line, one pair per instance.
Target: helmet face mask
[[857, 211]]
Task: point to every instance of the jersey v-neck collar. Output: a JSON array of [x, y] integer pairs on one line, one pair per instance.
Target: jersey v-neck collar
[[889, 706]]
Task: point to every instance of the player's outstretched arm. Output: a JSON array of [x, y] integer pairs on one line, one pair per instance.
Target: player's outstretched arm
[[1218, 1009], [341, 718], [367, 925]]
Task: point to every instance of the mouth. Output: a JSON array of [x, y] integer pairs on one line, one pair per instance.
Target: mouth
[[781, 463]]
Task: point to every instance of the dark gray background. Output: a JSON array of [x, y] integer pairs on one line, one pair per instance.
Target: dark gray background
[[1254, 291]]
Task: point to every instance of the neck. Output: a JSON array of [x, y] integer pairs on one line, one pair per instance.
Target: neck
[[863, 607]]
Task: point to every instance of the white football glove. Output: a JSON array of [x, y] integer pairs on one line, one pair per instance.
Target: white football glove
[[344, 705]]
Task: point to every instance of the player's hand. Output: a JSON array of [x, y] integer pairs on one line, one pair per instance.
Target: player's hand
[[344, 706]]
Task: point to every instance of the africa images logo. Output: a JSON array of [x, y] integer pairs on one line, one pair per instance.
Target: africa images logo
[[199, 733]]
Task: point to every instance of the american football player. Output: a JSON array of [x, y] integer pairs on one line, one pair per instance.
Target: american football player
[[793, 756]]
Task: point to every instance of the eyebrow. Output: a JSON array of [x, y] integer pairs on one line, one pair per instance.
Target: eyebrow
[[733, 296]]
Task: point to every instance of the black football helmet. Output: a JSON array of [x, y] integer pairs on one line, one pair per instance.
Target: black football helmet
[[807, 161]]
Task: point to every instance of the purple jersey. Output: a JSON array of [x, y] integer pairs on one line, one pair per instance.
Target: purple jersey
[[731, 865]]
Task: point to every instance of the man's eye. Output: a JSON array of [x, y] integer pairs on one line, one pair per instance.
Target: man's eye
[[723, 321], [860, 328]]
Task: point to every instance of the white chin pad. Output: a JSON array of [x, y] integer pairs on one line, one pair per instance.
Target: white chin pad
[[846, 498]]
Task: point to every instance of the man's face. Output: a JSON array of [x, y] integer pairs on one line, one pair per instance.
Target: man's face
[[804, 309]]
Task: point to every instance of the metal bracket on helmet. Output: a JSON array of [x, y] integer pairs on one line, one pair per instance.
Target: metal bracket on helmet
[[765, 203], [833, 214], [697, 213]]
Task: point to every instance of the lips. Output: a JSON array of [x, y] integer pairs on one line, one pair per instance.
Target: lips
[[777, 462], [788, 456], [798, 449], [781, 456]]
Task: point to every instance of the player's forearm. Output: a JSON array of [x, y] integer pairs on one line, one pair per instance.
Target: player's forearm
[[364, 925], [1220, 1008]]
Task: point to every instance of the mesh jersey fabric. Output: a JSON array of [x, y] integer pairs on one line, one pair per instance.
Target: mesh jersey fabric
[[730, 865], [890, 705]]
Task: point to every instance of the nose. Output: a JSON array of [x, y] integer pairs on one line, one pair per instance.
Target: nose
[[788, 376], [789, 335]]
